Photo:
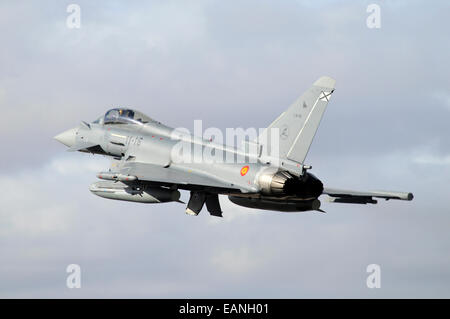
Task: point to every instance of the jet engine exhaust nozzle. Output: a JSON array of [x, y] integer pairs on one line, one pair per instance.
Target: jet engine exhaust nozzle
[[283, 183]]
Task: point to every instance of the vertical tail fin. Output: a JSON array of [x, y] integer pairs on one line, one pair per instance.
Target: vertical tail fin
[[297, 126]]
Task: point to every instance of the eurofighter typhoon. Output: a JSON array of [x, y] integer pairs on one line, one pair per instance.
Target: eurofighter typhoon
[[152, 162]]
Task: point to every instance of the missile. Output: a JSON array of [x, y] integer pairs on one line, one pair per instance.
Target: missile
[[120, 191], [116, 177]]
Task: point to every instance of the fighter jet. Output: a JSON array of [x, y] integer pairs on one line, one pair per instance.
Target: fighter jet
[[270, 174]]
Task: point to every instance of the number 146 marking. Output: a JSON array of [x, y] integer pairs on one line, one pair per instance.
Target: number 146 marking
[[134, 140]]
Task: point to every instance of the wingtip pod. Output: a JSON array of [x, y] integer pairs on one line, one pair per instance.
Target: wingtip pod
[[326, 82], [398, 195], [405, 196]]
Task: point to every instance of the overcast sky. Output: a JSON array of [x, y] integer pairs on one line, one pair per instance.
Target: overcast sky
[[230, 64]]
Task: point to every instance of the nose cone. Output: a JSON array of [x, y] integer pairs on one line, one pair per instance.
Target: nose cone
[[67, 137]]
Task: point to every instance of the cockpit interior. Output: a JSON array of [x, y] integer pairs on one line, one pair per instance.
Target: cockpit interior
[[123, 116]]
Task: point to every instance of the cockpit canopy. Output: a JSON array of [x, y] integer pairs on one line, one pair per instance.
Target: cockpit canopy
[[124, 116]]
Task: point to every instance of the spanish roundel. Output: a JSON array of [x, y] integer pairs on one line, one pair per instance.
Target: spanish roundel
[[244, 170]]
